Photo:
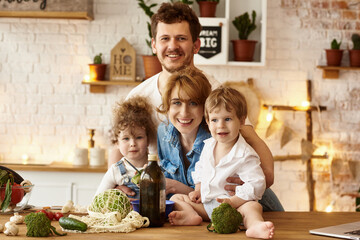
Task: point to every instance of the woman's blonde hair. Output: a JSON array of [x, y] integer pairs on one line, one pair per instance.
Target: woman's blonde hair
[[190, 80], [134, 112], [230, 99]]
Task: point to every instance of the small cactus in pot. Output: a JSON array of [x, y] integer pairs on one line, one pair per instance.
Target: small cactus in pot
[[334, 54], [97, 69], [354, 54], [243, 48]]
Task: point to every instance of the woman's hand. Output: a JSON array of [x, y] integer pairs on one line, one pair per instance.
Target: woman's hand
[[195, 196], [235, 181], [173, 186]]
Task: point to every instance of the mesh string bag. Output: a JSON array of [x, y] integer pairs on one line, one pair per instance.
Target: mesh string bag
[[111, 200], [111, 211]]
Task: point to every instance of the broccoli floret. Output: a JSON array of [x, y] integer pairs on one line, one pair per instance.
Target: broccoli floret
[[39, 225], [225, 219]]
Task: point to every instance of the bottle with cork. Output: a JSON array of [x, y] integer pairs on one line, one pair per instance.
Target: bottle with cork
[[152, 193]]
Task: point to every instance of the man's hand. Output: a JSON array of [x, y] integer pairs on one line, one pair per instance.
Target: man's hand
[[225, 200], [235, 181], [195, 196]]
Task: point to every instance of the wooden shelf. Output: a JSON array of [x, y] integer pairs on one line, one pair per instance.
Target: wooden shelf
[[100, 86], [332, 72], [75, 9], [295, 108], [36, 14]]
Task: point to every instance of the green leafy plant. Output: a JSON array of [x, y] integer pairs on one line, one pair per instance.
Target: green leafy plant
[[6, 180], [98, 59], [355, 38], [335, 44], [244, 25], [149, 13]]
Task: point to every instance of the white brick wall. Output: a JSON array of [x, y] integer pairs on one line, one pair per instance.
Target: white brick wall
[[45, 110]]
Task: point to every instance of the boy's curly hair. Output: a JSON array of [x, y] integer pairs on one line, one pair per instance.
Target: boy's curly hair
[[134, 112]]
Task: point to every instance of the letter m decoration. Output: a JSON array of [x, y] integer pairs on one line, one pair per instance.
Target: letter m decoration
[[123, 62]]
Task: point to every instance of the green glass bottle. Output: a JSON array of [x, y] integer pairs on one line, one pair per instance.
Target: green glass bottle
[[152, 193]]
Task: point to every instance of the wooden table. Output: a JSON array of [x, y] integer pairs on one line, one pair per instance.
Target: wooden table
[[288, 225]]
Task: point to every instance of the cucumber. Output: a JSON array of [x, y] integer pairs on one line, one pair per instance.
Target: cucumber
[[72, 224]]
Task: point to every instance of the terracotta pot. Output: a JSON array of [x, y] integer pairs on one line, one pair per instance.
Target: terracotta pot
[[334, 56], [244, 50], [354, 56], [97, 72], [152, 65], [207, 9]]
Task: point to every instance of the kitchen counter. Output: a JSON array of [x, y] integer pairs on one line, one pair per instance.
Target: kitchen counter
[[55, 167], [288, 225]]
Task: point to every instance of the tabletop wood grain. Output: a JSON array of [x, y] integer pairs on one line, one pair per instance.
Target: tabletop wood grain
[[288, 225]]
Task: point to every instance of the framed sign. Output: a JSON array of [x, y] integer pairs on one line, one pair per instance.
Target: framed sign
[[210, 41], [214, 42], [123, 62]]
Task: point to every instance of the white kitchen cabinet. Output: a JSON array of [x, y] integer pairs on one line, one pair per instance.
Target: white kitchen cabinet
[[226, 11], [56, 188]]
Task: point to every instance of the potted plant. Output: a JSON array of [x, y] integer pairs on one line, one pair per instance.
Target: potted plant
[[152, 65], [334, 54], [207, 7], [243, 48], [97, 69], [354, 54]]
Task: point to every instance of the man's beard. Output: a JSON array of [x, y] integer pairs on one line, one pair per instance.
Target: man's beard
[[172, 70], [185, 64]]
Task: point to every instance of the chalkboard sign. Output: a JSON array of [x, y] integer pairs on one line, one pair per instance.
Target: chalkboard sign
[[77, 9], [214, 42], [123, 62], [210, 37]]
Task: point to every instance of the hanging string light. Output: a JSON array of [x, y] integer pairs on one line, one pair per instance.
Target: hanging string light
[[270, 115]]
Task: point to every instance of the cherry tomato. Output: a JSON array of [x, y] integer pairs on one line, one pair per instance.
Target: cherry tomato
[[49, 214], [17, 193], [43, 211], [58, 215]]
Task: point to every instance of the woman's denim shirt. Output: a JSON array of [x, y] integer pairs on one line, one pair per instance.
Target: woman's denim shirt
[[170, 152]]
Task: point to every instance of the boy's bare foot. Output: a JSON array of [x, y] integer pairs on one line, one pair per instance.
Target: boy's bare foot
[[182, 218], [264, 230]]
